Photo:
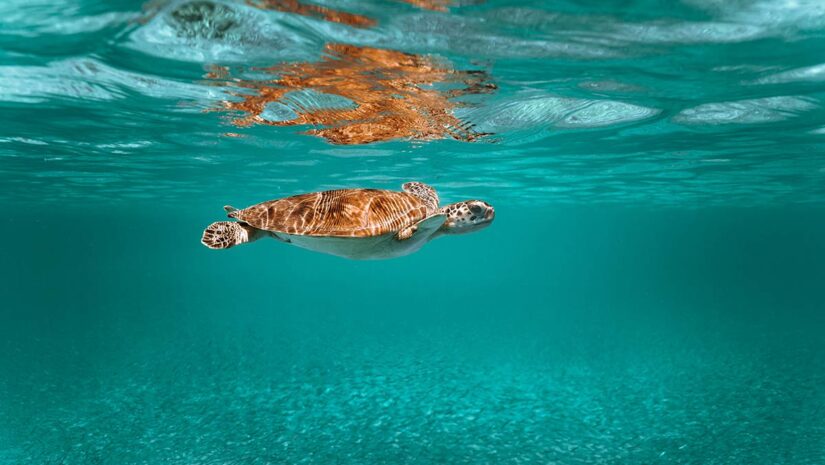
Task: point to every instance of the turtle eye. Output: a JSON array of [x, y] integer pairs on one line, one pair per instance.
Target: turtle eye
[[476, 209]]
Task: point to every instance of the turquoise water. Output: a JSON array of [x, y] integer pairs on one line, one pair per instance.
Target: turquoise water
[[651, 290]]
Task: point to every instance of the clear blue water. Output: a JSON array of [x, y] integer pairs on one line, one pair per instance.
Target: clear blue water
[[650, 292]]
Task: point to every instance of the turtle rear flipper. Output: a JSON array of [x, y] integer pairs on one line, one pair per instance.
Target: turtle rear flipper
[[226, 234]]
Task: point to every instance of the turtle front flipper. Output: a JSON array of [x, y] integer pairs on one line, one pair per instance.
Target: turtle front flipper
[[427, 194], [406, 233], [424, 228]]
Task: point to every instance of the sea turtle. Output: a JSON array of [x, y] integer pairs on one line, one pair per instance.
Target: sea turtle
[[352, 223]]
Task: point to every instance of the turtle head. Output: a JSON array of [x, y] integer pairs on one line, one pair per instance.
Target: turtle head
[[467, 216]]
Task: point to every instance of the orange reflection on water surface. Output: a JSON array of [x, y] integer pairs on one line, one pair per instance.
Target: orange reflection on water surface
[[314, 11], [393, 95], [435, 5]]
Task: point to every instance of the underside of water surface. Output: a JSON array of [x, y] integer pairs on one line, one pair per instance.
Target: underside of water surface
[[651, 290]]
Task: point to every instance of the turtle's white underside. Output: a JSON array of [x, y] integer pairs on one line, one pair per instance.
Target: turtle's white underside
[[368, 248]]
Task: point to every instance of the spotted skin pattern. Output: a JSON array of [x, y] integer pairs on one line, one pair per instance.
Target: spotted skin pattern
[[226, 234], [467, 216], [427, 194], [337, 213]]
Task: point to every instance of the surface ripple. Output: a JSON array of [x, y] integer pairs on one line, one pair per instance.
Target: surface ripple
[[560, 104]]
